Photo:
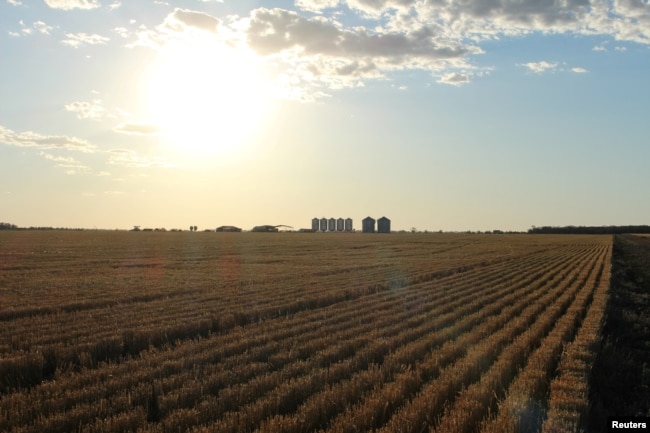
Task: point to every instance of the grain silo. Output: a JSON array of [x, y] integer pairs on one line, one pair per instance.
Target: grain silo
[[348, 224], [368, 225], [340, 225], [314, 224], [383, 225], [323, 224], [331, 225]]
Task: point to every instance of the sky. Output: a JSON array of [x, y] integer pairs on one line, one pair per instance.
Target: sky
[[438, 114]]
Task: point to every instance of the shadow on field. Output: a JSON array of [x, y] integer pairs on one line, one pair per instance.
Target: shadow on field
[[620, 383]]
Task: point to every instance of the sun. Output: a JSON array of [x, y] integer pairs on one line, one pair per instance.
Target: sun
[[207, 99]]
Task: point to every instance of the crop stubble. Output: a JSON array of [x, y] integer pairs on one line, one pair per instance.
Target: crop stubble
[[231, 332]]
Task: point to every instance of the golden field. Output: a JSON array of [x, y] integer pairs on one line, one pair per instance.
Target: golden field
[[289, 332]]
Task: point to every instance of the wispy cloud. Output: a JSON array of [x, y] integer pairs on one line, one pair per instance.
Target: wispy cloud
[[70, 164], [76, 40], [42, 28], [540, 67], [129, 158], [72, 4], [36, 27], [135, 128], [89, 110], [122, 32], [44, 142], [579, 70]]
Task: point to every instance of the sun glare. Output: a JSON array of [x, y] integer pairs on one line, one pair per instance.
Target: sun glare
[[207, 100]]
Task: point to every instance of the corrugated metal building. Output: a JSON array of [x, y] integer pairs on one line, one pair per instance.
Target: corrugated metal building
[[368, 225], [383, 225]]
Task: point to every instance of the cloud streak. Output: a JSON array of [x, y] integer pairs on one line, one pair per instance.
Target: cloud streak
[[129, 158], [72, 4], [70, 164], [76, 40], [135, 128], [44, 142]]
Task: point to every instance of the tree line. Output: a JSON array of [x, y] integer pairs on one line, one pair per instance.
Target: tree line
[[592, 230]]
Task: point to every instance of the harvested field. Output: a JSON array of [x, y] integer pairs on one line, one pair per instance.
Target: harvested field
[[287, 332]]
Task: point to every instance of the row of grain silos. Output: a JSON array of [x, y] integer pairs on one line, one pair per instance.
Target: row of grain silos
[[331, 225], [368, 225], [345, 225]]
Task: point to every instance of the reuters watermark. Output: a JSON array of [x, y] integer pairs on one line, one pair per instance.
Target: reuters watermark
[[628, 424]]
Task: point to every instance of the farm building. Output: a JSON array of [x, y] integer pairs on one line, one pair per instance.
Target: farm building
[[340, 224], [228, 229], [383, 225], [264, 228], [314, 224], [348, 224], [368, 225], [331, 224], [323, 224]]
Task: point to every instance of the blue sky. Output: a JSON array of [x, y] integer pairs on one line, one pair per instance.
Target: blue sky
[[452, 115]]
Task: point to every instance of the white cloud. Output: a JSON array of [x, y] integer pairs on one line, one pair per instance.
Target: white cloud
[[44, 142], [122, 32], [14, 2], [454, 78], [311, 54], [316, 5], [76, 40], [37, 26], [72, 4], [318, 53], [275, 30], [579, 70], [181, 24], [89, 110], [486, 19], [137, 128], [540, 67], [42, 28], [181, 19]]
